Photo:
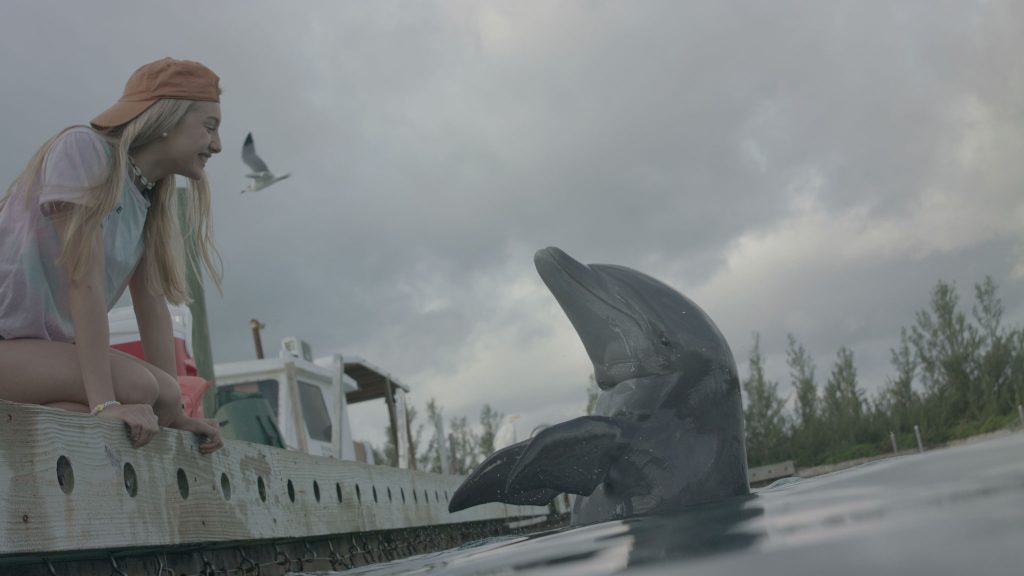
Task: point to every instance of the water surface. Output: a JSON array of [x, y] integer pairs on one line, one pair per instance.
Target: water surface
[[953, 511]]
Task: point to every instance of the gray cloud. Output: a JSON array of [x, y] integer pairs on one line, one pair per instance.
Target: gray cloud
[[796, 166]]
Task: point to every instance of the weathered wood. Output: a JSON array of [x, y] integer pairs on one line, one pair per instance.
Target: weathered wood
[[90, 507], [389, 398]]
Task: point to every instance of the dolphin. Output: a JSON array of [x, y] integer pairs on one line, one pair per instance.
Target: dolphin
[[667, 428]]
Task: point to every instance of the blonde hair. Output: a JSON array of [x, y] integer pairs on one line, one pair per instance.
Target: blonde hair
[[165, 250]]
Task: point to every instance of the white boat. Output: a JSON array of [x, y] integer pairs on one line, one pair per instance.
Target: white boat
[[307, 397]]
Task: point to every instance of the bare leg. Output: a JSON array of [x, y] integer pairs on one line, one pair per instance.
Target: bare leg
[[69, 406], [167, 406], [43, 372]]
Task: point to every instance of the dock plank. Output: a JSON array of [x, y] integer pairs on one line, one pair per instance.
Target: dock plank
[[223, 502]]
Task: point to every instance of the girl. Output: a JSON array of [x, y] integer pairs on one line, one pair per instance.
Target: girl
[[93, 213]]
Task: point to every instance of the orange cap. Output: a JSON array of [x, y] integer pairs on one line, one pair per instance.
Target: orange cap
[[165, 78]]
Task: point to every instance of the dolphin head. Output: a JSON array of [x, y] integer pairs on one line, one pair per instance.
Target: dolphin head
[[632, 325]]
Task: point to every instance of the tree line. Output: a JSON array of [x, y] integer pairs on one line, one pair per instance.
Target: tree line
[[465, 447], [954, 375]]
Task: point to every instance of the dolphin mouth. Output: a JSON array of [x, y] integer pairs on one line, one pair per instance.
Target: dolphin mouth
[[613, 332], [582, 277]]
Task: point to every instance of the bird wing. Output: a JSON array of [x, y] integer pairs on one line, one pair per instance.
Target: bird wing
[[250, 158]]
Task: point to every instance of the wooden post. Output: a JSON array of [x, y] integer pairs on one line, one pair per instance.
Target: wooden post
[[256, 326], [892, 437], [408, 433], [1020, 410], [389, 397], [917, 432], [201, 348]]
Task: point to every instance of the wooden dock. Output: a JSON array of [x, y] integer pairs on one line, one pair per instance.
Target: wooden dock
[[74, 488]]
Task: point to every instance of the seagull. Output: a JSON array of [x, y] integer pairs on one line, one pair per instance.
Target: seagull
[[261, 176]]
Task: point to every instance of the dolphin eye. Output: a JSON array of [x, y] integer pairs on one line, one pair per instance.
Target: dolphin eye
[[664, 341]]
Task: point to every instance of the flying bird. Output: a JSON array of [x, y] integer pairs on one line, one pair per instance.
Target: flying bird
[[261, 176]]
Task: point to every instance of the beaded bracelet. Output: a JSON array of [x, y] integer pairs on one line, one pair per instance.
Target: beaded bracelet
[[100, 407]]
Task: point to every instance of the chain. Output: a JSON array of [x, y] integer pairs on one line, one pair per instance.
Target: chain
[[115, 569], [337, 559], [386, 546], [161, 567], [246, 564]]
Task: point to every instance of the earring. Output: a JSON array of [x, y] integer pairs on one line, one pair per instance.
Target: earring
[[164, 135]]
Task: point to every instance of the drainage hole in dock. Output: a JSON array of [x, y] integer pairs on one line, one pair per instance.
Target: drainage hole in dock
[[225, 486], [316, 491], [261, 487], [359, 494], [337, 491], [426, 497], [182, 484], [445, 495], [291, 491], [131, 482], [390, 499], [402, 490], [65, 475], [415, 498], [375, 494], [436, 498]]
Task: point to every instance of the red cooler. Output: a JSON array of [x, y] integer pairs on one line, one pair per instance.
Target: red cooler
[[124, 336]]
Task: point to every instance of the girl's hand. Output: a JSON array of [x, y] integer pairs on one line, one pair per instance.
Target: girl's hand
[[140, 419], [207, 428]]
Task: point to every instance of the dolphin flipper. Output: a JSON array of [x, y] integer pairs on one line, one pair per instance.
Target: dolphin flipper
[[572, 457], [489, 481]]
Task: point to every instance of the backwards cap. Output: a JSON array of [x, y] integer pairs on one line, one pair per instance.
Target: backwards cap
[[165, 78]]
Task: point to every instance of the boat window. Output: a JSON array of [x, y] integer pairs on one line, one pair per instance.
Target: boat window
[[267, 388], [318, 421]]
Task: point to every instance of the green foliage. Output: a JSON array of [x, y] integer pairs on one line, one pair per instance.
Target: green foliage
[[808, 442], [946, 346], [990, 424], [430, 460], [464, 446], [490, 420], [852, 452], [764, 422], [954, 376], [389, 455], [843, 403], [592, 392], [801, 369]]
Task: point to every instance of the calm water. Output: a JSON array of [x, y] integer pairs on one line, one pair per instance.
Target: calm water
[[953, 511]]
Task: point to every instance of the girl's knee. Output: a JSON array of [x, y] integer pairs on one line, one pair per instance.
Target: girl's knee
[[142, 388]]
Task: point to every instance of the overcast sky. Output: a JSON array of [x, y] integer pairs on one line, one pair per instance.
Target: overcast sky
[[801, 167]]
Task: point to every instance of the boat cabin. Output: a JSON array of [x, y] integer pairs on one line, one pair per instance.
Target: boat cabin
[[307, 396]]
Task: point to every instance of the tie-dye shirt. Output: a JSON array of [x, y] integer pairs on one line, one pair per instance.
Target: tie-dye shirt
[[33, 288]]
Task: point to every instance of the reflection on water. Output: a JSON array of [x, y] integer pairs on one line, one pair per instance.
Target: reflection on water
[[959, 510], [597, 549]]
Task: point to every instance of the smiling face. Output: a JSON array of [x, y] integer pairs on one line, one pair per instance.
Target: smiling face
[[193, 140]]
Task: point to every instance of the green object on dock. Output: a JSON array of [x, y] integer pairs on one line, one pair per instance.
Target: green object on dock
[[247, 417]]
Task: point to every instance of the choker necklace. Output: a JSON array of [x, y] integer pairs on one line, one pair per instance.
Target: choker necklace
[[138, 174]]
